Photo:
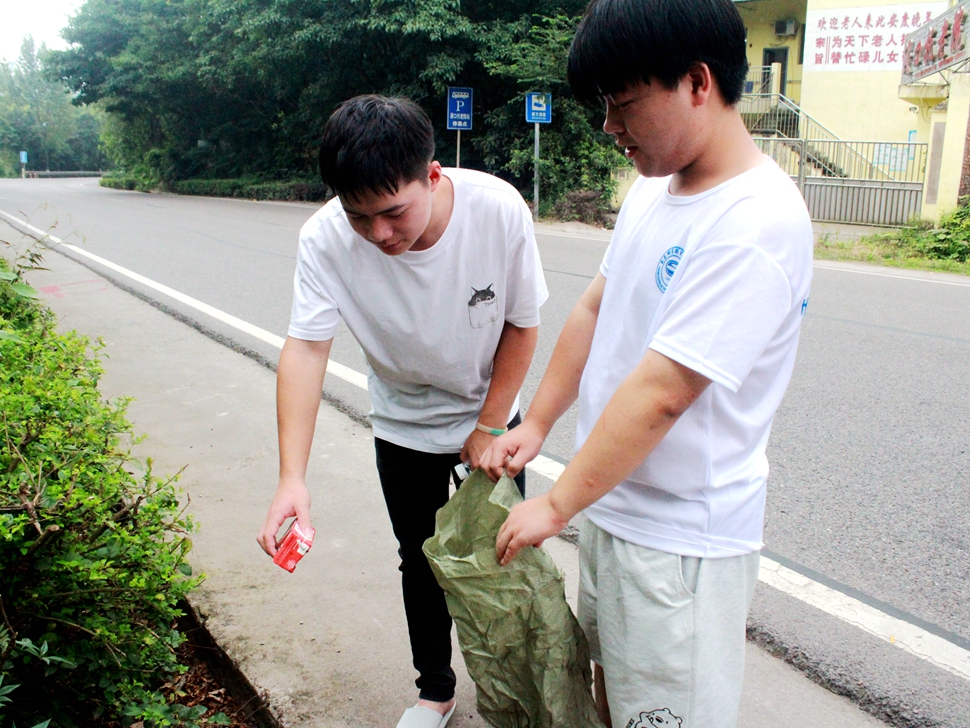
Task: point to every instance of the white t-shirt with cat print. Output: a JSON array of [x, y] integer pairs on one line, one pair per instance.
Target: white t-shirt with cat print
[[428, 321]]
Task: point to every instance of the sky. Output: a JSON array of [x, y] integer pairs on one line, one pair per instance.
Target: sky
[[40, 18]]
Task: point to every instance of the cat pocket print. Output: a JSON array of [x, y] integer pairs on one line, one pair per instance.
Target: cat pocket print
[[482, 308]]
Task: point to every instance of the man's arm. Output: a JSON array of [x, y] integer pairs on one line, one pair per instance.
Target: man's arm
[[299, 381], [557, 391], [638, 416], [513, 355]]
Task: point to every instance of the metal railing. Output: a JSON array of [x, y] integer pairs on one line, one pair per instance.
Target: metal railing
[[758, 80], [838, 158], [37, 173], [776, 113]]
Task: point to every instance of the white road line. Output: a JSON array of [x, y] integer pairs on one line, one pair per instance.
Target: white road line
[[918, 279], [904, 635], [337, 370], [547, 467], [912, 639]]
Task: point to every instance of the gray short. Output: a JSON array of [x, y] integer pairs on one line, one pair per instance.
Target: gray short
[[668, 630]]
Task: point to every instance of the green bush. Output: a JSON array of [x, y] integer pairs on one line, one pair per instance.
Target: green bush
[[92, 555], [587, 206], [951, 240], [921, 244], [119, 183], [249, 188], [212, 187], [298, 190]]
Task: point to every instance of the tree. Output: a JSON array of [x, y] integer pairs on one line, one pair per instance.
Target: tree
[[576, 154], [225, 88], [36, 116]]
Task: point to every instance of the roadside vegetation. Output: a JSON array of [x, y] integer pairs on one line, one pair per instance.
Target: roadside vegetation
[[251, 188], [231, 95], [945, 247], [93, 545], [37, 116]]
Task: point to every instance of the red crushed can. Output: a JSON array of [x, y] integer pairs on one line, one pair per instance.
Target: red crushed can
[[296, 542]]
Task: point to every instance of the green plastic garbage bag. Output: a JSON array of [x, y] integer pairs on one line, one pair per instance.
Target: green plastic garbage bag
[[522, 645]]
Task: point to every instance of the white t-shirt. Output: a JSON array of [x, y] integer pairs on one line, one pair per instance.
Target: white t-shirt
[[718, 282], [428, 321]]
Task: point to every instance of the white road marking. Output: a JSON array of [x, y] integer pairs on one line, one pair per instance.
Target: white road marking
[[919, 279], [337, 370], [912, 639], [547, 467], [906, 636]]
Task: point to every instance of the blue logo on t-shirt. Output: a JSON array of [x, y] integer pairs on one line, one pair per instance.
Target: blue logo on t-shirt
[[804, 306], [667, 266]]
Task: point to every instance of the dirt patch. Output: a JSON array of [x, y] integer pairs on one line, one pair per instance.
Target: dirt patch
[[213, 680]]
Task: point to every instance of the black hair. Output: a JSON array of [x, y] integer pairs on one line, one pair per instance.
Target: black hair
[[620, 43], [375, 144]]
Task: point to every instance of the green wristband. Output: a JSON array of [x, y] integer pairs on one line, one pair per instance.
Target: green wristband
[[490, 430]]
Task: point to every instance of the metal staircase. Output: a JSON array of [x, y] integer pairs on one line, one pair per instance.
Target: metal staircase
[[768, 113], [867, 182], [777, 116]]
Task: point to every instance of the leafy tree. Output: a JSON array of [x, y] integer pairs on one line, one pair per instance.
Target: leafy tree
[[36, 115], [575, 153], [242, 88]]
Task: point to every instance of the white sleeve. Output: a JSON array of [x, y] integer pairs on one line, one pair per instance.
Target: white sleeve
[[525, 284], [607, 259], [314, 315], [730, 302]]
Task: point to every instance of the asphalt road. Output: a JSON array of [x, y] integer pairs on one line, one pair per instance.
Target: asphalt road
[[870, 452]]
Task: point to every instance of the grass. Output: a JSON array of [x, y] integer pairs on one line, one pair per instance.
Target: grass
[[919, 246]]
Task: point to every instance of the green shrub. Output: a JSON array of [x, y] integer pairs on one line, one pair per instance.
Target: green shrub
[[587, 206], [211, 187], [92, 555], [119, 183], [298, 190], [951, 240], [291, 191], [920, 244]]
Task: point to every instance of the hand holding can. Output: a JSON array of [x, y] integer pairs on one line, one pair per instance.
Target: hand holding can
[[296, 542]]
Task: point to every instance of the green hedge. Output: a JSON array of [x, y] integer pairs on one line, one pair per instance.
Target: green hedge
[[301, 190], [121, 183], [92, 545]]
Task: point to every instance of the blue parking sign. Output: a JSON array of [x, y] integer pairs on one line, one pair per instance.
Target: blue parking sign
[[460, 108], [23, 157], [538, 108]]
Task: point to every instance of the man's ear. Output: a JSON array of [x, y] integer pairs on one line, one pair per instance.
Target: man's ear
[[434, 174], [702, 84]]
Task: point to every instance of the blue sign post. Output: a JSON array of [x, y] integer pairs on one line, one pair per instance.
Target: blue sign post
[[538, 110], [459, 114], [23, 164]]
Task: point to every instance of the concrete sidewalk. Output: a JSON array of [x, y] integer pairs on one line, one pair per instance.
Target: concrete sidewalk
[[326, 645]]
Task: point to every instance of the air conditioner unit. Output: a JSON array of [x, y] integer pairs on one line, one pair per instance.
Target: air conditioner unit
[[784, 27]]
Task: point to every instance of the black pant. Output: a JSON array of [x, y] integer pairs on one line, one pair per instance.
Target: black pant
[[415, 486]]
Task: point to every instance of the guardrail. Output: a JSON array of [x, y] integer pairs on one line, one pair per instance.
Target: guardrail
[[37, 173]]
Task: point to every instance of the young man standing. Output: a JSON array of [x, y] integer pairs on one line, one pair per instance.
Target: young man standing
[[679, 353], [437, 275]]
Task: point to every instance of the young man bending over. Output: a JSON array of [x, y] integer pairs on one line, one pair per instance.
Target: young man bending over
[[436, 273], [679, 353]]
